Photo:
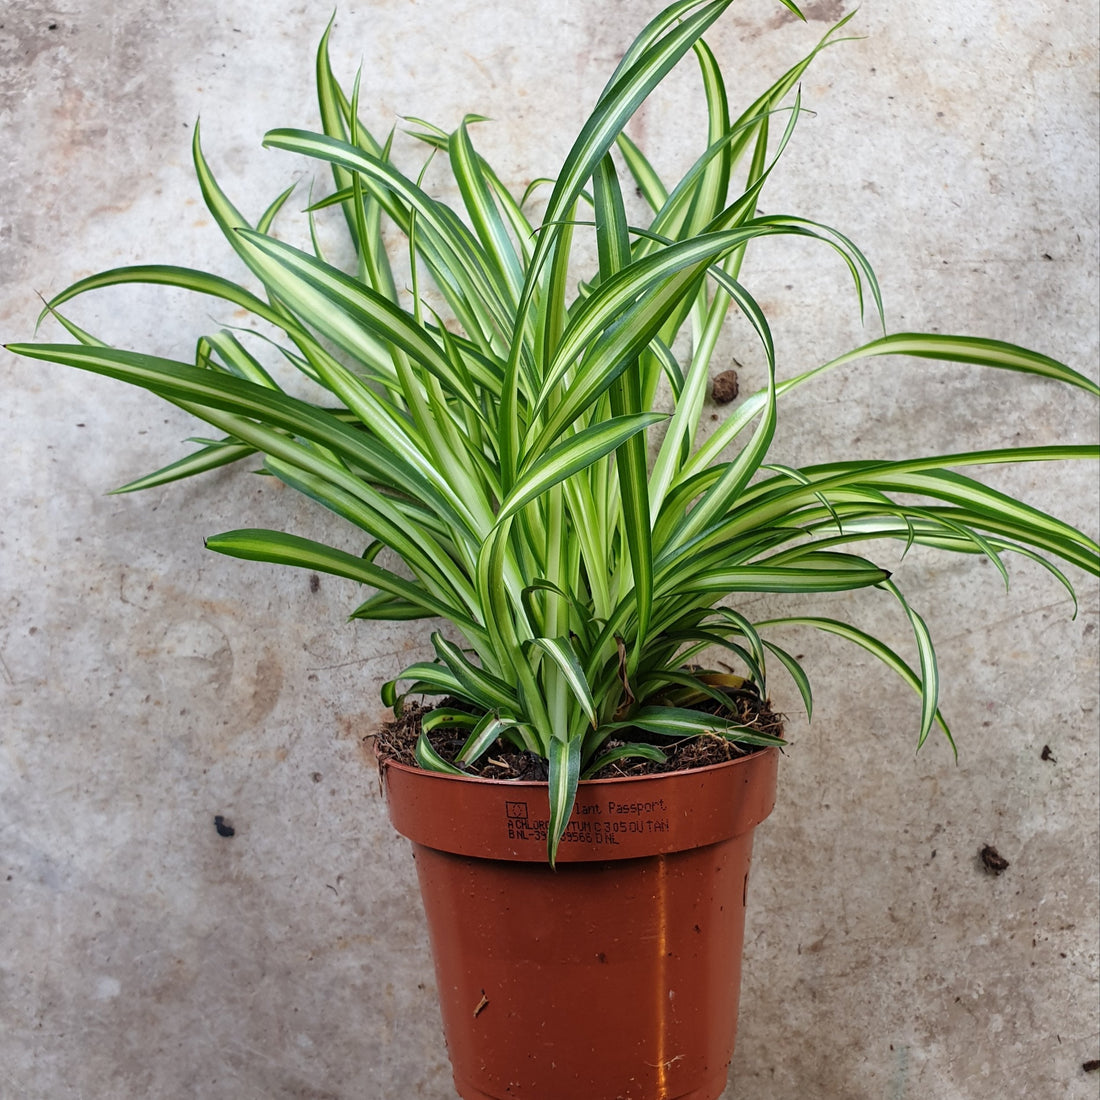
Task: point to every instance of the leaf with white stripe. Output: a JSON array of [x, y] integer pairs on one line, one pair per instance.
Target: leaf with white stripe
[[873, 646], [573, 455], [562, 653], [564, 758], [682, 722]]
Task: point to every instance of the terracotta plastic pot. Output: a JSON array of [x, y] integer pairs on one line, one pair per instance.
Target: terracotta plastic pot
[[615, 976]]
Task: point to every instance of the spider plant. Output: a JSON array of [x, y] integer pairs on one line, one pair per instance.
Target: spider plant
[[503, 447]]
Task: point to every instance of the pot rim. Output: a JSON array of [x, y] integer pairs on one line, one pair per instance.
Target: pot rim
[[619, 818]]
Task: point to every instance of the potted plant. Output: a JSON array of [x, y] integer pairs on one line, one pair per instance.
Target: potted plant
[[527, 462]]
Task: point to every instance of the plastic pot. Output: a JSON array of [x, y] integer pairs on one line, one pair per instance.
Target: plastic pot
[[615, 976]]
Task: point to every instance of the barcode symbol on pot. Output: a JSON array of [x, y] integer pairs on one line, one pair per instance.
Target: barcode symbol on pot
[[516, 810]]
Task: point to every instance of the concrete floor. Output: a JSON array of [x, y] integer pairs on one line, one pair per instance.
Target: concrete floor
[[148, 685]]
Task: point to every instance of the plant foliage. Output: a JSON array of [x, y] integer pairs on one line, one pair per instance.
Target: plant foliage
[[506, 452]]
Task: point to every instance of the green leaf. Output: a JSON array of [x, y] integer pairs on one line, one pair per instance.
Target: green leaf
[[356, 318], [182, 278], [626, 399], [486, 733], [681, 722], [283, 549], [814, 571], [573, 455], [798, 674], [478, 684], [564, 758], [561, 651], [383, 518], [458, 261], [970, 349], [211, 457], [477, 193], [427, 678], [428, 758], [873, 646], [929, 670], [384, 607], [448, 718], [656, 52], [633, 750]]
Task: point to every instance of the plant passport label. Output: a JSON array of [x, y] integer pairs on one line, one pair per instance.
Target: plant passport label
[[602, 821]]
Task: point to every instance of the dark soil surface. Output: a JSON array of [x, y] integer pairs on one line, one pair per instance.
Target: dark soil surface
[[396, 740]]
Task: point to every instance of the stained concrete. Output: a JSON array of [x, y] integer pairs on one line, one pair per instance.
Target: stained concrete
[[148, 686]]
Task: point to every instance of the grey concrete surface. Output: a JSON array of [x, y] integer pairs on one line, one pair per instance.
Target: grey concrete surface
[[148, 685]]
